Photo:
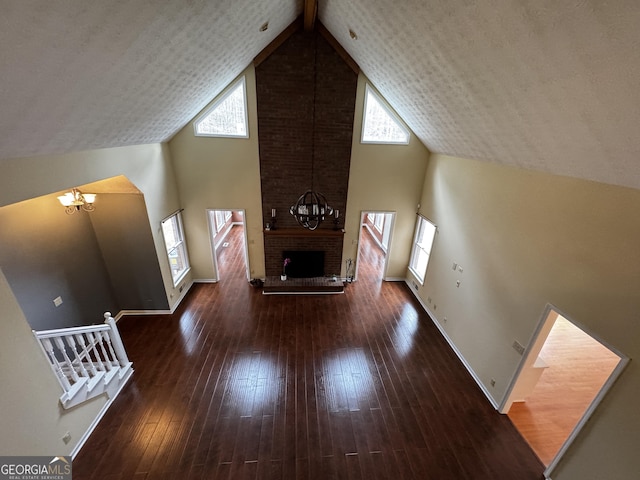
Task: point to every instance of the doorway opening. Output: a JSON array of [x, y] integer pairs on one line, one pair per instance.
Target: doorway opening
[[561, 380], [373, 245], [228, 243]]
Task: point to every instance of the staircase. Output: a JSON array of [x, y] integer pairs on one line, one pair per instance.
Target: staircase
[[87, 361]]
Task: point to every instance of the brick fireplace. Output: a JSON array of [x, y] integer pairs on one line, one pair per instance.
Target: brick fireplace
[[306, 97]]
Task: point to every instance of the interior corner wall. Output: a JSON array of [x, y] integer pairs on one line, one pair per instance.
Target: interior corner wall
[[148, 167], [384, 178], [128, 253], [220, 174], [524, 240]]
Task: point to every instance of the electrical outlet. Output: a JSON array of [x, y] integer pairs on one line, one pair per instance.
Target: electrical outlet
[[57, 301], [493, 382], [517, 347]]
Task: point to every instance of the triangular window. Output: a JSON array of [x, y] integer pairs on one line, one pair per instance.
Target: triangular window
[[227, 117], [380, 124]]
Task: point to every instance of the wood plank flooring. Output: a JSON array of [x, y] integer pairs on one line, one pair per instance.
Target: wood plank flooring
[[578, 368], [240, 385]]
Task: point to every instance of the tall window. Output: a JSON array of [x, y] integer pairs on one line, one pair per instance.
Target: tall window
[[222, 217], [380, 124], [422, 243], [227, 117], [176, 249], [379, 221]]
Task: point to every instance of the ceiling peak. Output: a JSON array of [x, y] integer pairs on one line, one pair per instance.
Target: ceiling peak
[[310, 14]]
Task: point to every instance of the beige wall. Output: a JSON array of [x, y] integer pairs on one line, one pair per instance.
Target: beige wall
[[384, 178], [525, 239], [31, 420], [221, 174]]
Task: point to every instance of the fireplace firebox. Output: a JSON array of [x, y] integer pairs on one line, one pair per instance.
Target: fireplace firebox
[[304, 263]]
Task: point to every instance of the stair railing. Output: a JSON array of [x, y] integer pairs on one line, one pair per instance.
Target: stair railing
[[84, 359]]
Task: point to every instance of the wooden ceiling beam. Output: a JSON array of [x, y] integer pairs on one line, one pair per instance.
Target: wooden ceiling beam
[[279, 40], [310, 14], [322, 30]]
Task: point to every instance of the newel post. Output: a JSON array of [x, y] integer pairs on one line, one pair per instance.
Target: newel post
[[116, 341]]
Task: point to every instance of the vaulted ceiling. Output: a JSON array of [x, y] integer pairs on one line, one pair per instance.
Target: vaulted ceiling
[[539, 84]]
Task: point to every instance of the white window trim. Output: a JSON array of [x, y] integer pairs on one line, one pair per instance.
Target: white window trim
[[378, 221], [368, 89], [216, 103]]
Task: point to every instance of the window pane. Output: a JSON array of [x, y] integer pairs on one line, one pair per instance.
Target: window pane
[[379, 221], [423, 241], [422, 258], [176, 251], [227, 117], [220, 221], [379, 125], [171, 232]]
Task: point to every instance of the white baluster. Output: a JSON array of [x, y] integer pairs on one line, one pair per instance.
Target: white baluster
[[84, 355], [96, 352], [71, 341], [107, 360], [62, 347], [116, 340], [115, 361], [48, 347]]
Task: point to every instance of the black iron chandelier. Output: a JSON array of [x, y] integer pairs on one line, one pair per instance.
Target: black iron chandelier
[[312, 207]]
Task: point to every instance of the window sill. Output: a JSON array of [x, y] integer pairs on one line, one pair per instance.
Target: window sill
[[417, 277], [177, 281]]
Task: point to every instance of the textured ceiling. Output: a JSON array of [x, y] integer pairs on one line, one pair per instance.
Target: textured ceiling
[[83, 74], [539, 84]]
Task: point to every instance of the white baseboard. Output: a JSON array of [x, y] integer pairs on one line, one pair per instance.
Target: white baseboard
[[123, 313], [454, 348], [395, 279], [183, 294]]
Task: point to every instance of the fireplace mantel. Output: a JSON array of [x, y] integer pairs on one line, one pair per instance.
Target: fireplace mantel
[[303, 232]]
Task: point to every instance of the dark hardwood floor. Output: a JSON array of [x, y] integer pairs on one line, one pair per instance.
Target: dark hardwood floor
[[240, 385]]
